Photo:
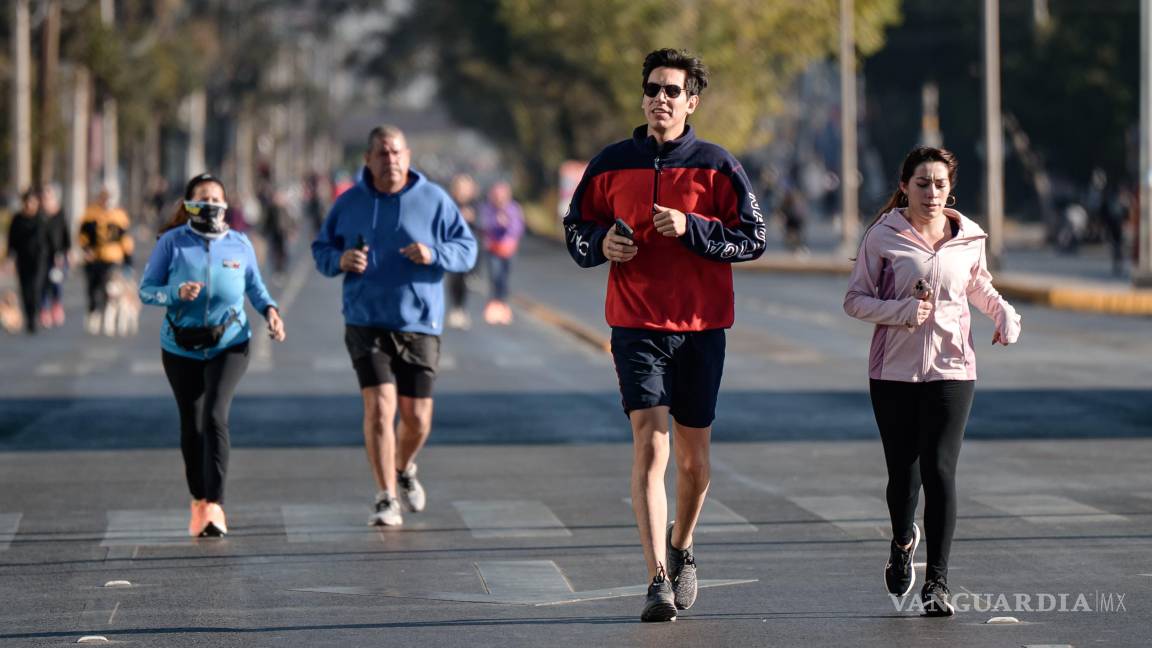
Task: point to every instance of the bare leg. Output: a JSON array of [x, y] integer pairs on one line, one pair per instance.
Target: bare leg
[[693, 474], [380, 434], [415, 427], [649, 499]]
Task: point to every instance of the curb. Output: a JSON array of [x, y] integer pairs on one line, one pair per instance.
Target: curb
[[564, 322], [1105, 301], [1112, 302]]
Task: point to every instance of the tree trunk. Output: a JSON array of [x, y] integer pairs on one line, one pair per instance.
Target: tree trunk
[[77, 195], [21, 96], [49, 123]]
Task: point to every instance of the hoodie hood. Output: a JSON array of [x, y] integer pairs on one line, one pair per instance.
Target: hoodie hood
[[415, 179], [968, 231]]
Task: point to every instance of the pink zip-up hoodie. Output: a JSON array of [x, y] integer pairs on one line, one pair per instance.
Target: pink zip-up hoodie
[[892, 258]]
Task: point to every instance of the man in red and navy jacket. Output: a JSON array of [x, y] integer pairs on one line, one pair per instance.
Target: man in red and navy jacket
[[691, 212]]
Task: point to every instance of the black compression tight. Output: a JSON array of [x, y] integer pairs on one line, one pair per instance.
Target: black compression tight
[[922, 426], [204, 390]]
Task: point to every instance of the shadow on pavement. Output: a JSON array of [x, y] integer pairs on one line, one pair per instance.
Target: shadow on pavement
[[108, 423]]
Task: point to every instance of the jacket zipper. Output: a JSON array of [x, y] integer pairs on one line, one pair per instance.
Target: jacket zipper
[[207, 284], [934, 279], [656, 183]]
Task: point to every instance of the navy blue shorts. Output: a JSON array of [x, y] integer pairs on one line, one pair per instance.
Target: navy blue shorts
[[681, 371]]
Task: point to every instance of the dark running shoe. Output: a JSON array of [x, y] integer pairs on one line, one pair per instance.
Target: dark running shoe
[[899, 574], [681, 571], [937, 599], [660, 604]]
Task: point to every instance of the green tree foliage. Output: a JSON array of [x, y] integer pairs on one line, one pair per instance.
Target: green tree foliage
[[550, 81]]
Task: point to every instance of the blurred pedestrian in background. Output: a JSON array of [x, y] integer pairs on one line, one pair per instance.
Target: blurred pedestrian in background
[[393, 236], [28, 252], [58, 240], [464, 191], [277, 226], [107, 246], [200, 271], [794, 215], [919, 266], [502, 221]]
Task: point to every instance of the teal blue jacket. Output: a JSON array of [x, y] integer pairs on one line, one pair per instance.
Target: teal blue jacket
[[227, 267]]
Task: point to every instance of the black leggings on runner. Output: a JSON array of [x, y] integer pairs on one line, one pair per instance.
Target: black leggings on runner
[[204, 390], [922, 426]]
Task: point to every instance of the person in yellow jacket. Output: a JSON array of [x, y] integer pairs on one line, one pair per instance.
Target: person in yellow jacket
[[107, 245]]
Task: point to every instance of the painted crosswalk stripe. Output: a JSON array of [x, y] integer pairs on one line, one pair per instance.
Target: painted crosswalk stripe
[[523, 579], [9, 524], [147, 367], [715, 517], [325, 523], [510, 519], [860, 516], [62, 369], [1038, 508], [146, 527]]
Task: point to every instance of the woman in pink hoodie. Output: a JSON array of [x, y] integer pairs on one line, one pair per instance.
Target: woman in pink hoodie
[[920, 265]]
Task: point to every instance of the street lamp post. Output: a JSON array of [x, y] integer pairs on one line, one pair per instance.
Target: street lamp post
[[1142, 276], [993, 134]]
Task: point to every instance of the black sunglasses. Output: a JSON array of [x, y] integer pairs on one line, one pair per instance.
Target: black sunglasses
[[670, 91]]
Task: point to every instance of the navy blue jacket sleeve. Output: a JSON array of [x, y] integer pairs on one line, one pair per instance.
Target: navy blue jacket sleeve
[[737, 232], [588, 220]]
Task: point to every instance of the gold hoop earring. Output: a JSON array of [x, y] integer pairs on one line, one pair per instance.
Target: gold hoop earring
[[951, 202]]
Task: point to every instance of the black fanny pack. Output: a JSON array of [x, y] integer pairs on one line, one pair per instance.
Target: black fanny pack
[[198, 338]]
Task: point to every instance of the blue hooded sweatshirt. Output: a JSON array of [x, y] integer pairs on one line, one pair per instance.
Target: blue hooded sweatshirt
[[395, 293], [227, 268]]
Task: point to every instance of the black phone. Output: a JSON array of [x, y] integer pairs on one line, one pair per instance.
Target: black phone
[[622, 229], [361, 244]]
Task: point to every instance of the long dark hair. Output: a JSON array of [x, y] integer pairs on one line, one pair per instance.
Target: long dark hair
[[179, 216], [915, 158]]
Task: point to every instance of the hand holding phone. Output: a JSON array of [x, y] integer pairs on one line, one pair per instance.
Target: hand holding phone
[[622, 229], [619, 245]]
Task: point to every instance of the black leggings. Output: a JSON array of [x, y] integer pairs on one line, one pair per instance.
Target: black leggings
[[204, 390], [922, 426]]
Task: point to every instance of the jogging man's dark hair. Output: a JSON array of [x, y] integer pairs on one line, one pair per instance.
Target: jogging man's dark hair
[[697, 74]]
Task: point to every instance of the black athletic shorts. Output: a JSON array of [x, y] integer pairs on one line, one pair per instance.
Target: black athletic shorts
[[679, 370], [381, 356]]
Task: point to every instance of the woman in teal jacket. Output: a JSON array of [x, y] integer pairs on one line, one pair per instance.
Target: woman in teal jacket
[[200, 272]]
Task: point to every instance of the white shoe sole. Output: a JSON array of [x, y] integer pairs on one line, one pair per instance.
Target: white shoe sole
[[912, 583]]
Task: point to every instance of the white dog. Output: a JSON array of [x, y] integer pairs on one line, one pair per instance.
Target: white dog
[[121, 315]]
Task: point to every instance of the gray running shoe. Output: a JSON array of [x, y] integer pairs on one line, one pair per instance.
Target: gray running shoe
[[660, 604], [681, 571], [386, 511], [411, 490]]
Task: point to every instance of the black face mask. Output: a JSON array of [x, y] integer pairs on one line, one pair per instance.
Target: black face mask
[[206, 218]]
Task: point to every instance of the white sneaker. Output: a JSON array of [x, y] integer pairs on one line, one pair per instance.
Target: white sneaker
[[387, 511], [458, 319], [411, 490], [92, 323]]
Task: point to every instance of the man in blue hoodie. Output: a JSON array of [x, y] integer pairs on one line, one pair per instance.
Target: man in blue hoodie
[[394, 235]]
